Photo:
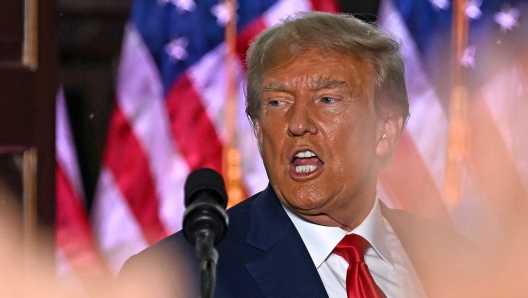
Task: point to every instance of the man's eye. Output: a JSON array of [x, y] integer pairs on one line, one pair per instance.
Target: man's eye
[[328, 100], [274, 103]]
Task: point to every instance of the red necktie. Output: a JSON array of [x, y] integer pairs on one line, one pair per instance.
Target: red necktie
[[359, 282]]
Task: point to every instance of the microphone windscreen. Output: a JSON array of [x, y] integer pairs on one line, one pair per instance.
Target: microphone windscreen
[[205, 180]]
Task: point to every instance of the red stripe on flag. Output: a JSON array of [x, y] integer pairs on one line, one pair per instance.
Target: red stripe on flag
[[127, 161], [247, 34], [193, 131], [408, 181], [325, 5], [73, 234]]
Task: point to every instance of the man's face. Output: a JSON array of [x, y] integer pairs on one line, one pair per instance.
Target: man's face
[[318, 132]]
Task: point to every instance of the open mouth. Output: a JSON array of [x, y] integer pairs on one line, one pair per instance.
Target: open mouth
[[306, 162]]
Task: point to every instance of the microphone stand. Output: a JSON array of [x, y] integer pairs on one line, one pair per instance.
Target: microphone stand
[[205, 222], [208, 257]]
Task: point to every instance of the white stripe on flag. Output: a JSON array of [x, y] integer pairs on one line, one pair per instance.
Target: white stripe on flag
[[140, 95], [208, 76], [116, 228], [66, 154]]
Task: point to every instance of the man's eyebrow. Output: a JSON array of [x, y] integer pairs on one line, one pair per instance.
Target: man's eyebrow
[[327, 83], [274, 86]]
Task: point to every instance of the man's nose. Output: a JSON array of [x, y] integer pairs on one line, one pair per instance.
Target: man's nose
[[301, 119]]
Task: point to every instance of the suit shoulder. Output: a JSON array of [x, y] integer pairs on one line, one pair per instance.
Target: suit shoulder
[[240, 217], [244, 207]]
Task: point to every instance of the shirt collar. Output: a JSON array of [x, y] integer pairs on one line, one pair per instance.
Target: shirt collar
[[321, 240]]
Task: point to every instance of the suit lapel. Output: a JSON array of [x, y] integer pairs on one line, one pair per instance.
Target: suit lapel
[[285, 268]]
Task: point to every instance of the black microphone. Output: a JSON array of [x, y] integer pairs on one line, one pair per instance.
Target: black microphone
[[205, 221], [206, 200]]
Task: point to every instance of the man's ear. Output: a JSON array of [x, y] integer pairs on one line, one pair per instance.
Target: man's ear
[[388, 134], [258, 133]]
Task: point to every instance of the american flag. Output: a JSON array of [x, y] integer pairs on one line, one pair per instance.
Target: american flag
[[493, 169], [170, 114]]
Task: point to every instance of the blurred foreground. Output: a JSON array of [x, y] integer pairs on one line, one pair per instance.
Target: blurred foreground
[[501, 271]]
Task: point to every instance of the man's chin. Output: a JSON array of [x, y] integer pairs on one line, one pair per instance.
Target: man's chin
[[320, 219], [312, 208]]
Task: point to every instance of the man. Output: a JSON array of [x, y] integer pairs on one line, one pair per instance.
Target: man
[[327, 100]]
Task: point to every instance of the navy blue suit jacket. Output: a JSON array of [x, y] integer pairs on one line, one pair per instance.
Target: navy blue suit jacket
[[263, 255]]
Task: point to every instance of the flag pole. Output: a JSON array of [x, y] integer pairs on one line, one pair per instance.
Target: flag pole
[[231, 155], [458, 142]]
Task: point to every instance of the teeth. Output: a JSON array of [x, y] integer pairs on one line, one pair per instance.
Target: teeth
[[305, 169], [305, 154]]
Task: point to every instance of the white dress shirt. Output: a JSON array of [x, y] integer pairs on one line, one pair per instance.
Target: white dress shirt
[[386, 259]]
